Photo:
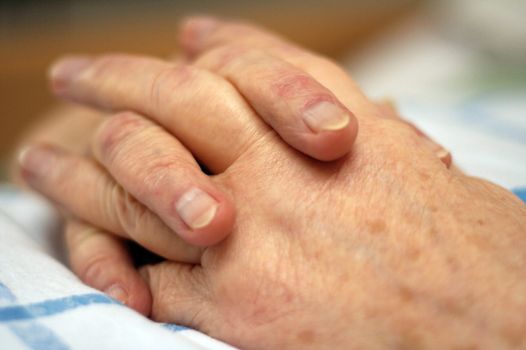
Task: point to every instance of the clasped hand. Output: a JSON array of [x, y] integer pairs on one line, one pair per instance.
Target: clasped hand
[[309, 233]]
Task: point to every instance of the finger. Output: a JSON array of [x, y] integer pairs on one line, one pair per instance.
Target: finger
[[179, 294], [202, 34], [198, 107], [302, 111], [86, 191], [157, 170], [101, 261], [388, 110]]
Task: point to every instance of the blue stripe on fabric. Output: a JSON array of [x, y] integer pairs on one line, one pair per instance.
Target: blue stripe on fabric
[[31, 333], [521, 193], [37, 336], [174, 327], [51, 307]]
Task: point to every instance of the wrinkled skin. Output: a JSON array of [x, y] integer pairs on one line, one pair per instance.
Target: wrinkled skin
[[383, 249]]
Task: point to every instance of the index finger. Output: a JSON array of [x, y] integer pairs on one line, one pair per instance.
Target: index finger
[[202, 34]]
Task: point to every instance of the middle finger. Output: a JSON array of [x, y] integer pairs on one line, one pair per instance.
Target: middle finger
[[201, 109]]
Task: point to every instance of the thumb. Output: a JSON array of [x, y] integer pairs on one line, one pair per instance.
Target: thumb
[[179, 293]]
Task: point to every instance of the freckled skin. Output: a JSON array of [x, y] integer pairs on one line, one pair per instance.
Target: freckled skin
[[364, 253], [307, 336], [377, 226], [361, 252], [382, 249]]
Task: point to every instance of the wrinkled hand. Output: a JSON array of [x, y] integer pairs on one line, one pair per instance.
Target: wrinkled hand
[[383, 248], [100, 259]]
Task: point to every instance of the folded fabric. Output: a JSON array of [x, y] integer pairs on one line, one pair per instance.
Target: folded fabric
[[44, 306]]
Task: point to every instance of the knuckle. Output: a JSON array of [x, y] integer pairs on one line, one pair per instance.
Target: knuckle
[[289, 83], [163, 171], [114, 131], [88, 260]]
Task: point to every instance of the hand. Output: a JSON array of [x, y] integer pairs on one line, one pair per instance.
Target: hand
[[104, 269], [400, 247], [110, 269]]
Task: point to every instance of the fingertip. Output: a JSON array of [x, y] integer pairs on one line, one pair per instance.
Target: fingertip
[[37, 161], [194, 31], [218, 227], [133, 293], [140, 297], [331, 144], [126, 286], [62, 71]]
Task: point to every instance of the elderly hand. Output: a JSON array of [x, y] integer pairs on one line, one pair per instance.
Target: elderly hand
[[110, 269], [101, 260], [382, 248]]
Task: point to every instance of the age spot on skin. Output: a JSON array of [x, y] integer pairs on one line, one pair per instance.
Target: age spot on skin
[[514, 336], [466, 347], [424, 176], [433, 233], [413, 254], [344, 278], [410, 340], [453, 307], [452, 263], [306, 336], [406, 294], [478, 241], [376, 227]]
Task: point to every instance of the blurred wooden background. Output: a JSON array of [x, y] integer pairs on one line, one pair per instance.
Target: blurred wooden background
[[34, 33]]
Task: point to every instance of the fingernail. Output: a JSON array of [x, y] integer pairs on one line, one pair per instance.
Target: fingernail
[[36, 160], [201, 26], [326, 116], [197, 208], [118, 293], [65, 70]]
